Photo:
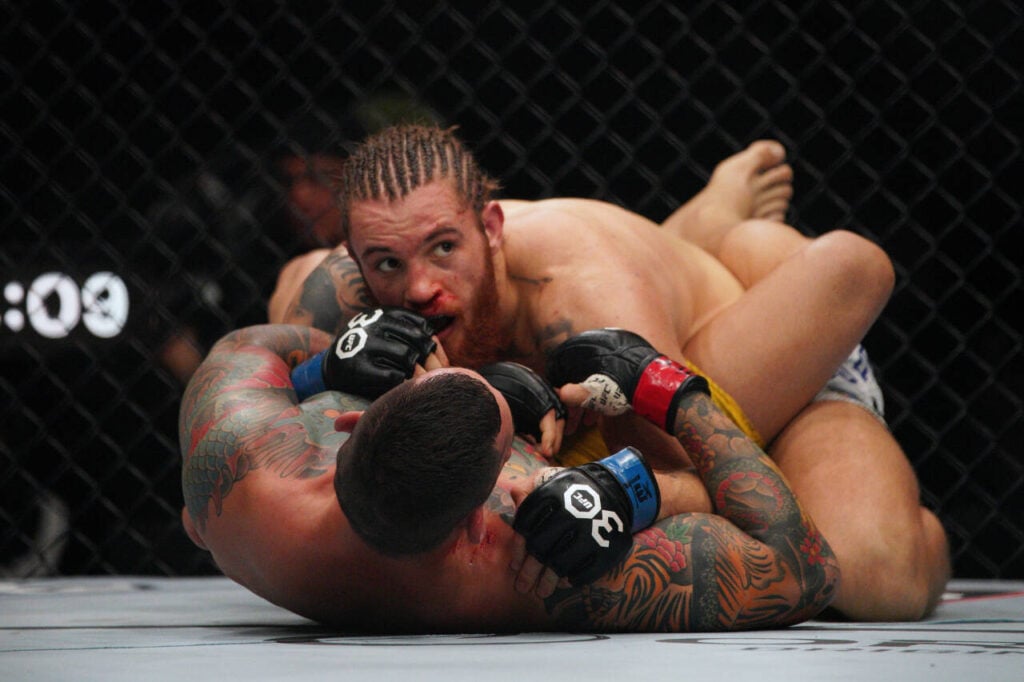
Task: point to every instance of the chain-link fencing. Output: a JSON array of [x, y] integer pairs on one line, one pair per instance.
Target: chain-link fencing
[[155, 178]]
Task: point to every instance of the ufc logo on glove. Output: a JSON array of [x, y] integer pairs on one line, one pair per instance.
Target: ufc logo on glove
[[379, 350], [354, 340], [583, 502], [608, 501]]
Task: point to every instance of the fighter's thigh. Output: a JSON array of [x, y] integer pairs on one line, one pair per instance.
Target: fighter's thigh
[[852, 477], [778, 344]]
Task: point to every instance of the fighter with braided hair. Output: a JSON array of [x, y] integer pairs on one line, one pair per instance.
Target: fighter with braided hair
[[774, 318]]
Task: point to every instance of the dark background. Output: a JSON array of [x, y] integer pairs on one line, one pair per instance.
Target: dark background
[[903, 121]]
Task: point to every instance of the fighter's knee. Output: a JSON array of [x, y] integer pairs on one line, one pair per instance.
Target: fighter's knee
[[896, 581], [860, 266], [914, 594], [937, 559], [763, 231]]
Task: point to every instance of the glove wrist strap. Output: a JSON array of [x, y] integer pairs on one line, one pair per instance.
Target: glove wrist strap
[[308, 378], [656, 389], [661, 385], [637, 479]]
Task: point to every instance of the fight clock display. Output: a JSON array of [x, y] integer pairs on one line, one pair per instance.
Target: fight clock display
[[54, 304]]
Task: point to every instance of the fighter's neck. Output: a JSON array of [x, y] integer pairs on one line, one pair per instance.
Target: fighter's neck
[[512, 312]]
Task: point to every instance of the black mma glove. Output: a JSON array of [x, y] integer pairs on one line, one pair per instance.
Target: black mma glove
[[620, 369], [529, 396], [580, 523], [379, 350]]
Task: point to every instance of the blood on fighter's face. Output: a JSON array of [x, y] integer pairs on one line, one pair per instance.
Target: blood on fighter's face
[[428, 252]]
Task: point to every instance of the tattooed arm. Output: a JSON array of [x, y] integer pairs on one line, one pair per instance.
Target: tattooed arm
[[320, 291], [759, 562], [239, 415]]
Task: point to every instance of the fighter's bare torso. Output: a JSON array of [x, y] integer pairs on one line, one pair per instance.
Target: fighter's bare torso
[[280, 532], [580, 264]]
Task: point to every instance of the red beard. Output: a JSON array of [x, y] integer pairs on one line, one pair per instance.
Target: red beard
[[483, 340]]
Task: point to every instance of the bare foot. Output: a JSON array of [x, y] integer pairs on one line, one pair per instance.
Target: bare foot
[[754, 183]]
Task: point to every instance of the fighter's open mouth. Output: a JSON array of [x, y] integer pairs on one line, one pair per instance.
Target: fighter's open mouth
[[438, 323]]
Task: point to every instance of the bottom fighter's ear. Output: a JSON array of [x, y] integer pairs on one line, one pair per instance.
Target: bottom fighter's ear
[[347, 421]]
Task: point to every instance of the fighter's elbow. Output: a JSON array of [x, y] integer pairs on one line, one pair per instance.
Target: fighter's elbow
[[818, 588], [191, 530], [830, 578]]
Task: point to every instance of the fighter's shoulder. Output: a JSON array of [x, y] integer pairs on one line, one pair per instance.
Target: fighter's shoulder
[[289, 281], [566, 206], [301, 265], [552, 223]]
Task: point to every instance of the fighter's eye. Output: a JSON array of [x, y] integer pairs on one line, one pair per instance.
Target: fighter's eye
[[388, 265], [444, 248]]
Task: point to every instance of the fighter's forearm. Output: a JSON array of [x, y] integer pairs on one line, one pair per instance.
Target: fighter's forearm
[[332, 294], [758, 561], [682, 492], [291, 343], [748, 489], [744, 484]]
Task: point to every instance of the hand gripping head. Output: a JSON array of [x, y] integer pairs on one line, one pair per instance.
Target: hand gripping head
[[580, 522], [379, 350]]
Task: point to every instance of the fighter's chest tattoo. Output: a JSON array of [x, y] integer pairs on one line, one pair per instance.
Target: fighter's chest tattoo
[[554, 333], [547, 331]]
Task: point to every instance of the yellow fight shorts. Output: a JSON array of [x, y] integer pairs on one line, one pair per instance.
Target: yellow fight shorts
[[587, 445]]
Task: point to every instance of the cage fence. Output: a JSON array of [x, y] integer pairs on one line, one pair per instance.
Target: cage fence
[[163, 160]]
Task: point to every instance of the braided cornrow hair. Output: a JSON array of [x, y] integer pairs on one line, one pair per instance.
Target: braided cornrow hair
[[399, 159]]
